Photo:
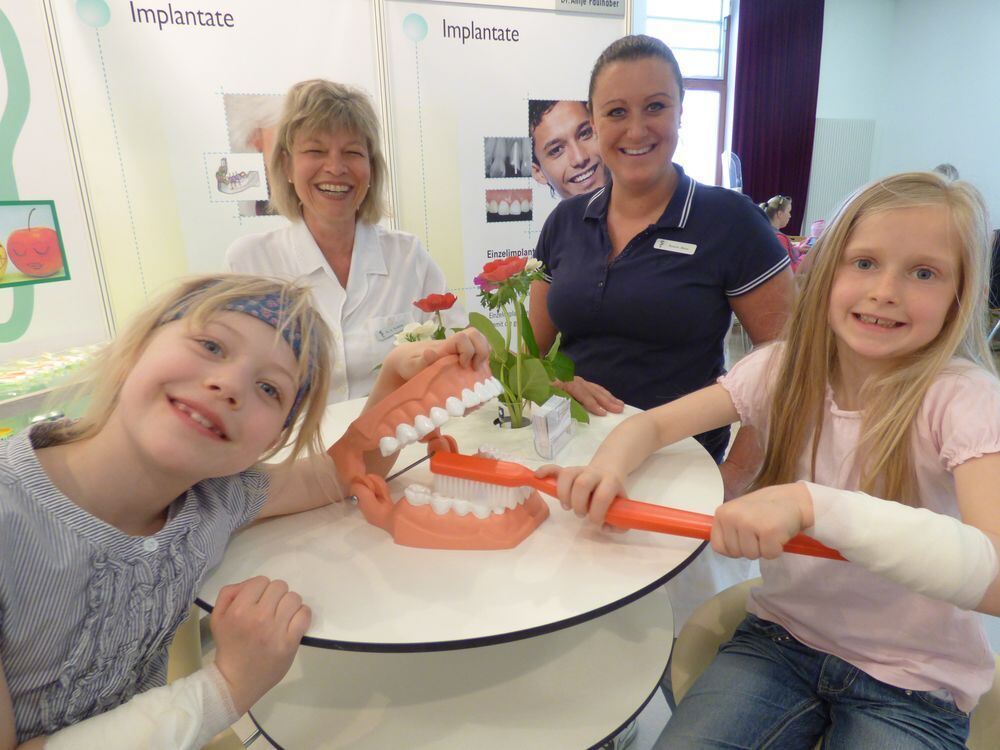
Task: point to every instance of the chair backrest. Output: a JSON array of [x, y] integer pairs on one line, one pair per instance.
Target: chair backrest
[[714, 622], [709, 626], [985, 731]]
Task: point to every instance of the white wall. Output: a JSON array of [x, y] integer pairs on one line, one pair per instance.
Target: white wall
[[944, 91], [927, 72], [855, 62]]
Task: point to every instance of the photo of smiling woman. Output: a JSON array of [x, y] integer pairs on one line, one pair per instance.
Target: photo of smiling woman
[[564, 152], [327, 176]]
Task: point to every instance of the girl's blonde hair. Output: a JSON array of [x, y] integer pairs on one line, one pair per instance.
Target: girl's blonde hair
[[320, 106], [197, 301], [891, 400], [776, 204]]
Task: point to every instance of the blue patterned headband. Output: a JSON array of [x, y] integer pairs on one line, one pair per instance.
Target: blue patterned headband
[[269, 309]]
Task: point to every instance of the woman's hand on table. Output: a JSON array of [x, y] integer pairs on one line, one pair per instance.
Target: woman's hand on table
[[257, 626], [759, 524], [594, 398], [586, 490]]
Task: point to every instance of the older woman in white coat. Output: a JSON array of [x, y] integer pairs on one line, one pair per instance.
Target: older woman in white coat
[[328, 175]]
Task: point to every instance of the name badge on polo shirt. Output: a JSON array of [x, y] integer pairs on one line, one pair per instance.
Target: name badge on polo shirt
[[673, 246]]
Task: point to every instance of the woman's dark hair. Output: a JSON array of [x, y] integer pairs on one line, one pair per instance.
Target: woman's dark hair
[[634, 47], [537, 109]]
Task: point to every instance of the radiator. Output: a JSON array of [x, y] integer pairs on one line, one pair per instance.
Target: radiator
[[841, 163]]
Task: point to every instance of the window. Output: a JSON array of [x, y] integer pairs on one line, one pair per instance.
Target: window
[[698, 33]]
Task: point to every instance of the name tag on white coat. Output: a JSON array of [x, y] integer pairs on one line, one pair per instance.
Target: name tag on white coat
[[388, 332], [673, 246]]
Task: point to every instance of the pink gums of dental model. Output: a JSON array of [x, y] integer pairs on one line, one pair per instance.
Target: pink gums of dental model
[[422, 405]]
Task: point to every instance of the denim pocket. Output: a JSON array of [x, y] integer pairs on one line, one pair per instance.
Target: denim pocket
[[937, 699]]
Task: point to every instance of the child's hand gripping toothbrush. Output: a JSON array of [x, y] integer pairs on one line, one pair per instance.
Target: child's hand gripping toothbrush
[[623, 512]]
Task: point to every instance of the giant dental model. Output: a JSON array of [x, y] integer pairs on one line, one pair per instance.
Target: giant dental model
[[422, 517]]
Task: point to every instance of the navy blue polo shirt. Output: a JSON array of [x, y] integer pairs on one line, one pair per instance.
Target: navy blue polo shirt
[[650, 325]]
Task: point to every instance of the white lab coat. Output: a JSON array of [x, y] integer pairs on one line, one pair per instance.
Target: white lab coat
[[389, 271]]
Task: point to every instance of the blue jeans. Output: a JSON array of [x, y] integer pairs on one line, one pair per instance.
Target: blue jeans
[[764, 689]]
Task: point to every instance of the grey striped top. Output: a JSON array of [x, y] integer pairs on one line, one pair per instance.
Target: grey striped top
[[86, 611]]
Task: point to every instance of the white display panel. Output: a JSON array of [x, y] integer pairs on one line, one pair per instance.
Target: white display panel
[[39, 165], [158, 108], [449, 94]]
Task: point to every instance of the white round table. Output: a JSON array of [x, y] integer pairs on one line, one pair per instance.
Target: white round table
[[571, 689], [449, 626]]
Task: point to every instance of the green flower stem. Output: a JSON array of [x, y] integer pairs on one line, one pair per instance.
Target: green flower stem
[[515, 401], [517, 367], [506, 332]]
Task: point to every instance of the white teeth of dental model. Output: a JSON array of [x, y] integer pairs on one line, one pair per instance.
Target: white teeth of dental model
[[405, 434], [388, 445], [494, 386], [439, 416], [489, 500], [417, 495], [484, 392], [454, 407], [440, 505], [470, 399], [489, 451], [423, 425]]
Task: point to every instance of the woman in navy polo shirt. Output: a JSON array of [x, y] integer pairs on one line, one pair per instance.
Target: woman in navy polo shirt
[[646, 271]]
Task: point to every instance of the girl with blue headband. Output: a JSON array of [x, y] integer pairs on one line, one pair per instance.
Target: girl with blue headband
[[108, 524]]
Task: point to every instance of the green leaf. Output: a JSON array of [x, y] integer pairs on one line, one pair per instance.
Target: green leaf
[[526, 332], [550, 369], [554, 349], [537, 386], [563, 367], [485, 326]]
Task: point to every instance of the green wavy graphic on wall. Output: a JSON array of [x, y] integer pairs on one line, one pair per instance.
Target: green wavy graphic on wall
[[11, 123]]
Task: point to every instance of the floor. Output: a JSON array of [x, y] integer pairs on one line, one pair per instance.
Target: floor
[[656, 713]]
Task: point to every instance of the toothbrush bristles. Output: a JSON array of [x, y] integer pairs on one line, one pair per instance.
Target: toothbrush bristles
[[478, 492]]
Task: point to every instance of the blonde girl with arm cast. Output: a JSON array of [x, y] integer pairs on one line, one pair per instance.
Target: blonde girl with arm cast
[[881, 413]]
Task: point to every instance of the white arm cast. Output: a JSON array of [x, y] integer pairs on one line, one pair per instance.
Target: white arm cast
[[930, 553], [184, 715]]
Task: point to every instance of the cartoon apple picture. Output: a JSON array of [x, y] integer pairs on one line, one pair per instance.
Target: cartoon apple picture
[[34, 251]]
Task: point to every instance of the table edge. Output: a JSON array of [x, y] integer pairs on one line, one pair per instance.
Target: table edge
[[596, 746], [488, 640]]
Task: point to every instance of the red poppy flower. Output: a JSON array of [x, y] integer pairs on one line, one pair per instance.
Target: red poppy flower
[[501, 270], [436, 302]]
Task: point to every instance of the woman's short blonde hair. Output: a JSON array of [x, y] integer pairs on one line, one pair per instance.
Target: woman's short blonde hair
[[196, 301], [319, 106], [893, 399]]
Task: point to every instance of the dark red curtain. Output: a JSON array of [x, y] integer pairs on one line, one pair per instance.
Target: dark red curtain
[[774, 110]]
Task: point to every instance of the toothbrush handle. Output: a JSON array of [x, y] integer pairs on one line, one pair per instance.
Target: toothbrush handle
[[632, 514]]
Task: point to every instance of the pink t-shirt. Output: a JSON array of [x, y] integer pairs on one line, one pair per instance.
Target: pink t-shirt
[[899, 637]]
